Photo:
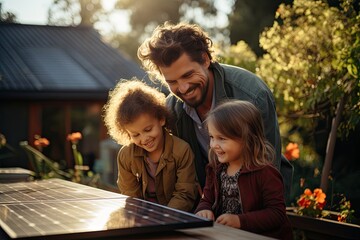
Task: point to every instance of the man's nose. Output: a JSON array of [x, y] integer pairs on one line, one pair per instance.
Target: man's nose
[[183, 87]]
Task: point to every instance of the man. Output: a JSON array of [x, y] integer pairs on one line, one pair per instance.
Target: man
[[181, 56]]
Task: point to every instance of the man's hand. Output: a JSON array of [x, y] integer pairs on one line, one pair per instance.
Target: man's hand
[[231, 220]]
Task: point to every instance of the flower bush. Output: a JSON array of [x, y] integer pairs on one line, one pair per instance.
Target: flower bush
[[345, 211], [311, 203], [45, 167]]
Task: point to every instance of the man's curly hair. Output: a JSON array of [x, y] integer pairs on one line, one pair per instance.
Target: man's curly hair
[[168, 42]]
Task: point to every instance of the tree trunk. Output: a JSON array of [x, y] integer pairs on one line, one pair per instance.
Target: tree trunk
[[331, 145]]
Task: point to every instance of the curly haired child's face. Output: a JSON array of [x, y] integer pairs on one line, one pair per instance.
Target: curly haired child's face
[[146, 131]]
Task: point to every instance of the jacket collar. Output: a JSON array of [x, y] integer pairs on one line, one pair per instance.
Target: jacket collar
[[219, 80]]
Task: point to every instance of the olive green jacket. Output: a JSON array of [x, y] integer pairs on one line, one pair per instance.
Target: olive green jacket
[[175, 180]]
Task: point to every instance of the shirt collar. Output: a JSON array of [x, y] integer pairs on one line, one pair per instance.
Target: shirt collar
[[192, 111]]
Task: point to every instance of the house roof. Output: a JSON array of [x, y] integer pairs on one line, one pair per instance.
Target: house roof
[[52, 62]]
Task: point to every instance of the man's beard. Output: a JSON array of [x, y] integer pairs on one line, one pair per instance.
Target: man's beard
[[204, 91]]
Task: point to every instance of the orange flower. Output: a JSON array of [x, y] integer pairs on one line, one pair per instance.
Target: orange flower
[[320, 198], [41, 142], [311, 203], [74, 137], [319, 195], [307, 192], [292, 151]]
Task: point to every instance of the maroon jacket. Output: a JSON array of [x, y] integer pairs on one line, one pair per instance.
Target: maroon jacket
[[262, 199]]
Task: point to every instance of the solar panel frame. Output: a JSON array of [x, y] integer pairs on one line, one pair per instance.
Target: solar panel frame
[[82, 212]]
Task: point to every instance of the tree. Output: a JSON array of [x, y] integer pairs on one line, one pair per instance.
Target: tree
[[7, 17], [312, 66], [249, 18], [239, 55], [75, 12], [146, 15]]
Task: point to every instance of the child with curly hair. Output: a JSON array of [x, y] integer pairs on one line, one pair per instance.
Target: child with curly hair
[[153, 164]]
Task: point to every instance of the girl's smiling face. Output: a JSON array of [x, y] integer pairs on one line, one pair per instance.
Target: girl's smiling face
[[226, 149], [146, 131]]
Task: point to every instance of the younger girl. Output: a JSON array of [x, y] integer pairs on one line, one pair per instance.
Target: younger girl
[[243, 189], [153, 164]]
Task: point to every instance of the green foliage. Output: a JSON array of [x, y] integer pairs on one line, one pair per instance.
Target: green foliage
[[43, 167], [346, 213], [239, 55], [46, 168], [312, 61], [7, 17], [249, 18]]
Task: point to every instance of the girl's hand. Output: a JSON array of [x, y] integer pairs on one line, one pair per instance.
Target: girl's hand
[[206, 214], [231, 220]]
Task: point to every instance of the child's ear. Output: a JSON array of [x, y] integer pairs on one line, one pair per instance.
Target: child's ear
[[162, 122]]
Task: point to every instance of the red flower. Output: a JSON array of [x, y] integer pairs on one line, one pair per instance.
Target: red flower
[[303, 202]]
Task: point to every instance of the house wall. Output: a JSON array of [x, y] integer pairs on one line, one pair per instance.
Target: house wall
[[54, 120], [14, 126]]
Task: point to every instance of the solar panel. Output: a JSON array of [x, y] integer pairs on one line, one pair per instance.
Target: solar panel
[[59, 209], [51, 190]]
